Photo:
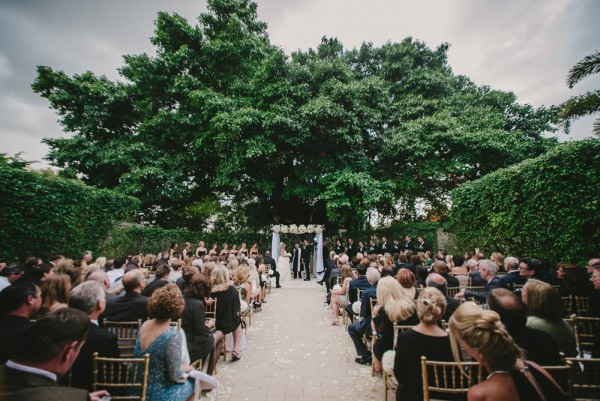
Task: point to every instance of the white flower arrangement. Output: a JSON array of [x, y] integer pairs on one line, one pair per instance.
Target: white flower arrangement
[[301, 229]]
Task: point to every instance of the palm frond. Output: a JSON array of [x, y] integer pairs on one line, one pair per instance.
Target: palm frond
[[579, 106], [589, 65]]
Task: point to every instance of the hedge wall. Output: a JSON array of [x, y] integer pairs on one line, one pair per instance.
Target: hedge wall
[[42, 215], [547, 207]]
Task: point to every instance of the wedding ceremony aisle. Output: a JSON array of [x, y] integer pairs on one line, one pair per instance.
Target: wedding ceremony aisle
[[293, 353]]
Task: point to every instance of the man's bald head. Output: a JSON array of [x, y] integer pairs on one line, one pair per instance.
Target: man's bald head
[[436, 280], [133, 281], [511, 309], [100, 277]]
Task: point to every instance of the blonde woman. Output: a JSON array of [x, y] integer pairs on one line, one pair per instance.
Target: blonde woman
[[498, 259], [55, 293], [481, 333], [546, 310], [227, 319], [425, 339], [392, 307], [255, 279], [338, 296]]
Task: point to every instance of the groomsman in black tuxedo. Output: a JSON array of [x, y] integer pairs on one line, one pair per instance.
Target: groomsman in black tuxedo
[[297, 261], [351, 251], [384, 247], [408, 245], [397, 249], [361, 248], [372, 248], [423, 247], [306, 259]]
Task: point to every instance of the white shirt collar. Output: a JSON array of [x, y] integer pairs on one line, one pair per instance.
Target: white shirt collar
[[95, 322], [29, 369]]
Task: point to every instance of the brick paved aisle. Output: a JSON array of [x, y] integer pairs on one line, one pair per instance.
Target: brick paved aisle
[[294, 354]]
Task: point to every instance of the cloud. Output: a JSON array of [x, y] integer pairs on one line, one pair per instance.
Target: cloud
[[525, 47]]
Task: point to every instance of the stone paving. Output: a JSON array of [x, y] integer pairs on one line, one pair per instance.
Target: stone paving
[[293, 353]]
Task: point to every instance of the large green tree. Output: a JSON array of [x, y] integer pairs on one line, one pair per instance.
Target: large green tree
[[221, 115]]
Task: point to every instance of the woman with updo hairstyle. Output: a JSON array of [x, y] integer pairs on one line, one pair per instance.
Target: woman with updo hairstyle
[[164, 344], [510, 378], [425, 339], [392, 307], [407, 281], [200, 342], [545, 308]]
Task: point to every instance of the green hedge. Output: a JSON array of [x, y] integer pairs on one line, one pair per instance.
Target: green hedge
[[41, 215], [546, 207]]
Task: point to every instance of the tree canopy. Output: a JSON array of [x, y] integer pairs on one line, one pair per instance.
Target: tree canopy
[[221, 116]]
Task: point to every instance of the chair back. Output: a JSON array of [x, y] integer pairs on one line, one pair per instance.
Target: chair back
[[210, 311], [586, 380], [449, 377], [176, 324], [563, 375], [584, 333], [581, 304], [373, 302], [123, 378], [126, 333], [452, 291], [399, 329]]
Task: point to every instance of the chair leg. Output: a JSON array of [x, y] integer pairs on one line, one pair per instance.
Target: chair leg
[[385, 386]]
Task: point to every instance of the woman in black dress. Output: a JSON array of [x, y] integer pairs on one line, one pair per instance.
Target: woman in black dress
[[425, 339], [228, 307], [200, 340]]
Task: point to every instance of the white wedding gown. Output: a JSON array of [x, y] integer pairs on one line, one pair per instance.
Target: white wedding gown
[[283, 267]]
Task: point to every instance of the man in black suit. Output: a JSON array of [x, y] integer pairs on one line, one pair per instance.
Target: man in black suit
[[383, 246], [512, 278], [268, 260], [423, 247], [131, 306], [437, 281], [297, 261], [488, 270], [361, 248], [89, 298], [408, 244], [306, 259], [361, 283], [351, 250], [161, 278], [396, 249], [373, 248], [45, 355], [442, 269], [538, 345], [19, 303]]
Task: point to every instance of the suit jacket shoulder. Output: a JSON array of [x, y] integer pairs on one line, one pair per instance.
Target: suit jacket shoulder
[[17, 385]]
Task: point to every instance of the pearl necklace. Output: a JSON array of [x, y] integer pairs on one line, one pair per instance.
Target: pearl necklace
[[498, 372]]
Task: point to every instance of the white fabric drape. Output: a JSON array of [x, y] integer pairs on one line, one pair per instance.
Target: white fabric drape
[[275, 246], [318, 258]]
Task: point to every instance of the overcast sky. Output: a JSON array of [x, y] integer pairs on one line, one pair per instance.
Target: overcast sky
[[526, 47]]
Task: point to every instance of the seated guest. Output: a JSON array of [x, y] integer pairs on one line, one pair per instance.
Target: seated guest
[[459, 267], [228, 307], [392, 307], [164, 344], [483, 336], [359, 283], [161, 278], [201, 343], [117, 270], [177, 265], [594, 309], [442, 269], [45, 355], [55, 293], [407, 281], [132, 305], [574, 280], [437, 281], [363, 327], [101, 277], [71, 269], [513, 276], [425, 339], [487, 269], [403, 264], [474, 273], [38, 273], [339, 296], [538, 346], [546, 311], [10, 274], [19, 303], [89, 298]]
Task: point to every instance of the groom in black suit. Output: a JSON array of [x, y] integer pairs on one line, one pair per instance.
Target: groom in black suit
[[297, 261], [306, 259]]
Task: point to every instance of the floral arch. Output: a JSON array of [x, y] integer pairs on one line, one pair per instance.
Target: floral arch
[[317, 254]]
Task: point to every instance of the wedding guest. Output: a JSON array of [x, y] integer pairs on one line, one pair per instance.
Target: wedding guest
[[339, 297], [487, 270], [393, 306], [483, 336], [360, 282], [513, 276], [55, 293], [459, 265], [425, 339], [164, 344], [546, 312], [131, 306], [19, 303], [161, 278], [10, 274], [66, 266], [407, 282], [49, 348], [227, 318], [357, 329], [437, 281], [574, 280]]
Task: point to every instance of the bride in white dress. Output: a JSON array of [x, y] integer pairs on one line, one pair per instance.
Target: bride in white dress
[[283, 263]]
